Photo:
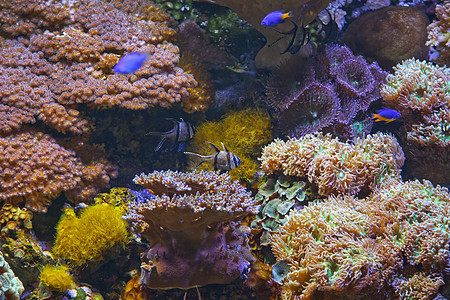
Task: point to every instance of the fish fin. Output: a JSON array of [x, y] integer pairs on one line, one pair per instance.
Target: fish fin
[[214, 146], [196, 155], [287, 15], [153, 133], [160, 144], [181, 146], [224, 148]]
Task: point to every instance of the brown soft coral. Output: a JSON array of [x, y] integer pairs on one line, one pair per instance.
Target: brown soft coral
[[421, 92], [35, 169], [439, 33], [392, 244], [335, 167]]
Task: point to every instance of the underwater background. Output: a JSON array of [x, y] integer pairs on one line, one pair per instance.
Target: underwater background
[[224, 149]]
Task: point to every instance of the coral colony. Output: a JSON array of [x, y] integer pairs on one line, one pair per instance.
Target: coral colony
[[326, 149]]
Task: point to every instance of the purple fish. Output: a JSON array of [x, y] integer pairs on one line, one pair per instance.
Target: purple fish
[[387, 115], [130, 62], [275, 18]]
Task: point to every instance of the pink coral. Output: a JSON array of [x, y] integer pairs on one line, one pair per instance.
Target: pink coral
[[188, 223]]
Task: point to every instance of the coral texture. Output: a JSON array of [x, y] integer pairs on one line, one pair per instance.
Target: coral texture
[[14, 218], [421, 92], [333, 96], [86, 238], [10, 286], [35, 169], [389, 35], [439, 33], [57, 278], [49, 74], [304, 11], [193, 241], [333, 166], [391, 245]]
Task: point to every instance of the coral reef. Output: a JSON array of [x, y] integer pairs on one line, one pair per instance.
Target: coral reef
[[35, 169], [421, 92], [56, 278], [10, 286], [389, 35], [14, 218], [86, 238], [243, 132], [304, 11], [188, 222], [35, 70], [391, 245], [439, 33], [278, 196], [335, 167], [333, 95]]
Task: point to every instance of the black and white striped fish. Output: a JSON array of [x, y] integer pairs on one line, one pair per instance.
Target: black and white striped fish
[[222, 160], [177, 137]]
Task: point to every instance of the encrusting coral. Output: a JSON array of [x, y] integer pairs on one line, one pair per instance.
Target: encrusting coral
[[439, 33], [11, 287], [391, 245], [335, 167], [420, 91], [82, 239], [188, 220]]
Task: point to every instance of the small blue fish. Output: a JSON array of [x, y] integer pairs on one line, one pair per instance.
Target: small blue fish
[[130, 62], [387, 115], [276, 17]]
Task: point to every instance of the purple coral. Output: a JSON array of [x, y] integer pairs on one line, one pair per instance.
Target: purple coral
[[312, 108], [192, 227], [354, 84]]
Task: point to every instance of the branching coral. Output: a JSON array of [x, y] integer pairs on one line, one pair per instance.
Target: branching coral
[[421, 92], [439, 33], [86, 238], [336, 88], [333, 166], [393, 244], [10, 286], [193, 241], [243, 133]]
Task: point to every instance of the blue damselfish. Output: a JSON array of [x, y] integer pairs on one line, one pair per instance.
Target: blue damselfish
[[275, 18], [130, 62], [387, 115]]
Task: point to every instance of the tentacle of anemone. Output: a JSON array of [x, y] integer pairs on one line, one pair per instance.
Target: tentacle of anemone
[[311, 109]]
